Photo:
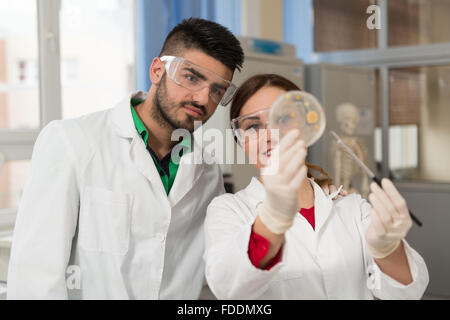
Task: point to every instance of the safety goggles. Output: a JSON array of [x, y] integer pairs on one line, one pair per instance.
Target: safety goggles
[[255, 125], [196, 78], [250, 126]]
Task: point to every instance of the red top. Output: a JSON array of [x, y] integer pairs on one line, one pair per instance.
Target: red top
[[309, 215], [258, 246]]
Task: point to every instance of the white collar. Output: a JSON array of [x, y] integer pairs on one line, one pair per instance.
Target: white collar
[[256, 193], [322, 203], [125, 127]]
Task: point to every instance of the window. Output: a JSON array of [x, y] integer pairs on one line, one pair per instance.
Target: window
[[420, 123], [97, 54], [19, 83], [19, 97], [418, 22], [341, 25]]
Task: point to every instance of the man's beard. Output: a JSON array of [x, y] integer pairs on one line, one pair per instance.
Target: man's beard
[[164, 112]]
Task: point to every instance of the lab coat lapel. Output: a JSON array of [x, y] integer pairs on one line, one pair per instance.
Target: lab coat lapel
[[255, 193], [323, 205], [190, 167], [122, 119], [123, 123], [145, 164], [322, 210], [189, 170]]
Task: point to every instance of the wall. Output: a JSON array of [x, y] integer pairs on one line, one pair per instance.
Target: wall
[[263, 19], [431, 241]]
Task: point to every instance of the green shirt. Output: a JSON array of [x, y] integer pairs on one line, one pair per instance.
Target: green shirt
[[167, 173]]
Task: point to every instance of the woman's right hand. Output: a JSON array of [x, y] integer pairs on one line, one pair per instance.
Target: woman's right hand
[[282, 178]]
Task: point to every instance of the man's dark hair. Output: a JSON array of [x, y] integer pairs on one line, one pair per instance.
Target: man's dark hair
[[210, 37]]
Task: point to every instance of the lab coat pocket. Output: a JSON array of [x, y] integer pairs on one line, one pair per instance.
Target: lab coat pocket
[[104, 224]]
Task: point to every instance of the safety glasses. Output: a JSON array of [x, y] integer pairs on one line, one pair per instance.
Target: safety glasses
[[249, 126], [256, 125], [196, 78]]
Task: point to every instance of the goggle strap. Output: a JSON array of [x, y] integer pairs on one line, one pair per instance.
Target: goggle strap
[[174, 68]]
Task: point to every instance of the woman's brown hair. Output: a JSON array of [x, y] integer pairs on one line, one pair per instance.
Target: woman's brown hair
[[253, 85]]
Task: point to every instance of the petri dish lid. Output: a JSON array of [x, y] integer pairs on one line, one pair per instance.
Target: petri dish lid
[[298, 110]]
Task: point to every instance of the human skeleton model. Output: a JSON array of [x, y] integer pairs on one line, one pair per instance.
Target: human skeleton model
[[345, 169]]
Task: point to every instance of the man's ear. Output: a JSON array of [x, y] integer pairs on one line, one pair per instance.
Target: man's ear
[[156, 71]]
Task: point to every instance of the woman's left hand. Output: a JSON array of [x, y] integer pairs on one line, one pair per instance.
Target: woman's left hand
[[391, 220]]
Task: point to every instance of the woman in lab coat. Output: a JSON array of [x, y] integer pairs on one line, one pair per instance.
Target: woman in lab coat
[[283, 238]]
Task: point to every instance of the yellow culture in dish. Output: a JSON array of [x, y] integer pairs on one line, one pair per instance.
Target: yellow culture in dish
[[312, 117]]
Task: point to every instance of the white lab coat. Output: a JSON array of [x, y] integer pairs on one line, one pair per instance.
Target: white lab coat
[[94, 200], [329, 263]]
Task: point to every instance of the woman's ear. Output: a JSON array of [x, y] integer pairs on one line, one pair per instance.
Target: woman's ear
[[156, 71]]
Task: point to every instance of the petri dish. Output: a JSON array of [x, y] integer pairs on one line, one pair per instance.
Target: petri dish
[[298, 110]]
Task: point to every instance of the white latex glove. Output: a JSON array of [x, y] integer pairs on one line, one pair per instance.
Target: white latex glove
[[282, 178], [390, 220]]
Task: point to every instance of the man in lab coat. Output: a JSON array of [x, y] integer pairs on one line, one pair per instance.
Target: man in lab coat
[[107, 213]]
